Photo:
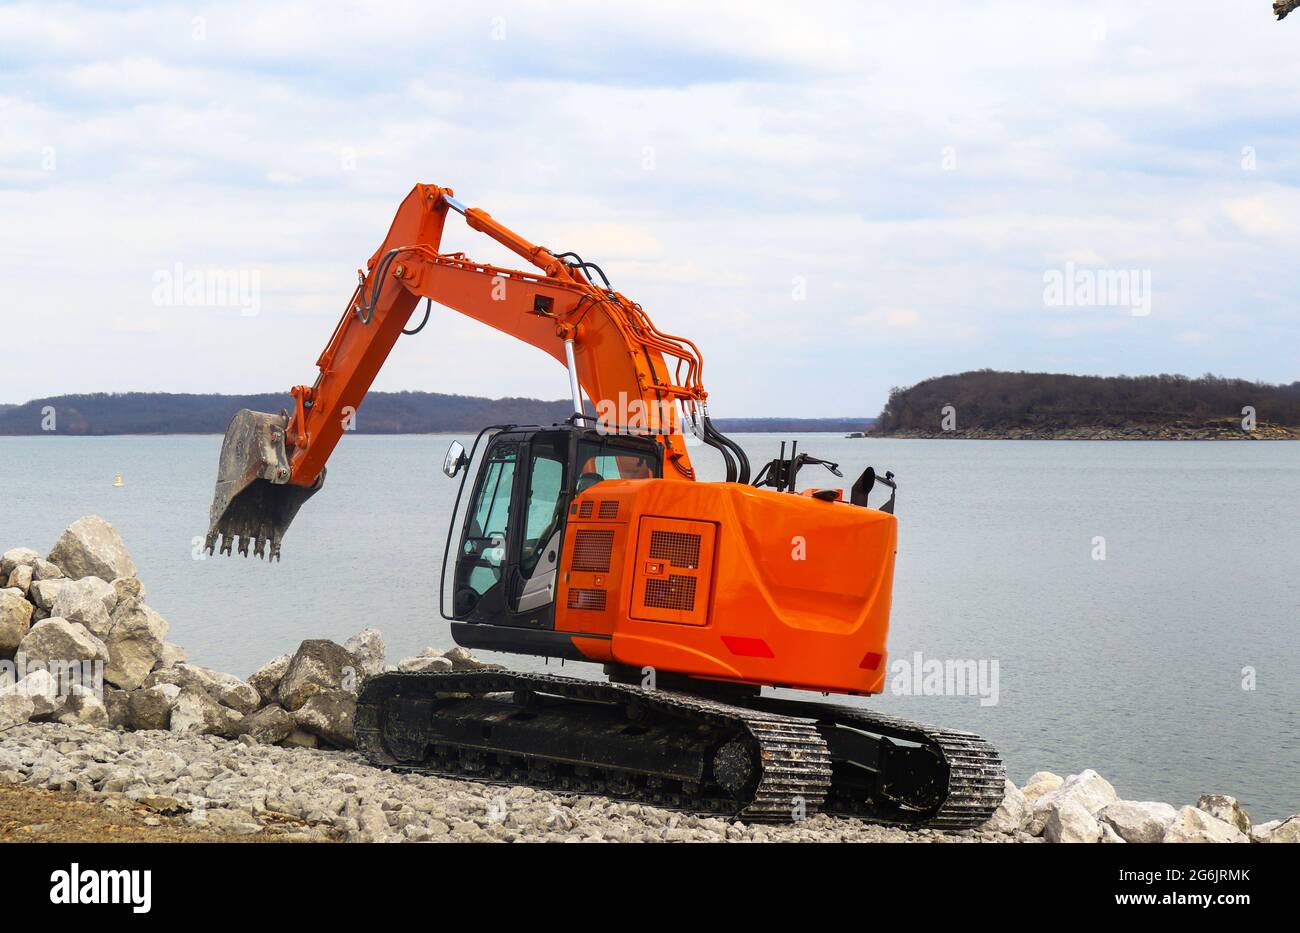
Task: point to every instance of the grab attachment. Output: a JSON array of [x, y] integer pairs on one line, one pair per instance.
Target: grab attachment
[[254, 500]]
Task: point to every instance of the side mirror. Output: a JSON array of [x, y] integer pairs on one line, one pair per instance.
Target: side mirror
[[455, 459]]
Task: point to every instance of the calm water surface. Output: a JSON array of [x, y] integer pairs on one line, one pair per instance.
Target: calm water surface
[[1132, 665]]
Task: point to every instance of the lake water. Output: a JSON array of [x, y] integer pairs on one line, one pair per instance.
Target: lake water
[[1132, 664]]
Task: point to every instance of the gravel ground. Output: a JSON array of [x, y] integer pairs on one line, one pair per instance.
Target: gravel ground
[[204, 784]]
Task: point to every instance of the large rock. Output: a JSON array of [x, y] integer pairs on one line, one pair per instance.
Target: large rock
[[91, 547], [179, 675], [1109, 835], [239, 696], [87, 601], [44, 592], [1223, 807], [56, 639], [42, 688], [20, 578], [15, 709], [1087, 788], [151, 707], [1068, 820], [135, 641], [329, 715], [17, 557], [1040, 783], [367, 646], [462, 660], [44, 570], [117, 703], [172, 654], [266, 679], [1138, 821], [424, 665], [1012, 814], [1194, 825], [83, 707], [15, 621], [196, 712], [226, 689], [270, 725], [318, 665], [128, 588], [1287, 830]]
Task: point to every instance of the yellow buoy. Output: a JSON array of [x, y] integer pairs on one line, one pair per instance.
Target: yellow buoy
[[117, 479]]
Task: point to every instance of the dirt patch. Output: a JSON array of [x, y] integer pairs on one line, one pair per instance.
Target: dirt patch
[[30, 814]]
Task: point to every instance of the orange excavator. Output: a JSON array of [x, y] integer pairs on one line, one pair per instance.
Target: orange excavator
[[594, 540]]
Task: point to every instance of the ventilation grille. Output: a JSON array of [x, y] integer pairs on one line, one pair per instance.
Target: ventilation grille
[[584, 509], [593, 600], [608, 509], [677, 593], [591, 551], [678, 548]]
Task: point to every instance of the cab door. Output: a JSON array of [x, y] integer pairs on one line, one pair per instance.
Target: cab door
[[482, 558], [509, 553], [545, 486]]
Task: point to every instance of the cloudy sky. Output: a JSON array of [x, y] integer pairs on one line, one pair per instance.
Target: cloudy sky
[[829, 199]]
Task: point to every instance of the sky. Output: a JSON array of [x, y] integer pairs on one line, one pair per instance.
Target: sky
[[830, 199]]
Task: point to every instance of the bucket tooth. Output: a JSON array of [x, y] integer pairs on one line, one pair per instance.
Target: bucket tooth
[[254, 502]]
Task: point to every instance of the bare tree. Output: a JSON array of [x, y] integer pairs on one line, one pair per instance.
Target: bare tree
[[1283, 7]]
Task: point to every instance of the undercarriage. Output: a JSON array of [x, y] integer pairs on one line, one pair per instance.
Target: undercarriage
[[757, 758]]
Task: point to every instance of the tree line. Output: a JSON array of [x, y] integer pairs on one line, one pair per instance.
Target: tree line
[[105, 413], [993, 400]]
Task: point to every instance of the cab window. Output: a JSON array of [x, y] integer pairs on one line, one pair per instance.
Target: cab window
[[545, 510], [609, 461], [485, 539]]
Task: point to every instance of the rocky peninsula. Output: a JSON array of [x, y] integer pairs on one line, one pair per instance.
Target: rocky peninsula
[[990, 405]]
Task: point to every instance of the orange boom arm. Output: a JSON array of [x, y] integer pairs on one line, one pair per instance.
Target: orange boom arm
[[621, 358]]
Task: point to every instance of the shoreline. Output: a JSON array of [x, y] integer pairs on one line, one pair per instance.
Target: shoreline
[[1128, 432], [154, 737]]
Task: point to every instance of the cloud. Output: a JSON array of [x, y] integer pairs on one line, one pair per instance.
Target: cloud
[[1263, 218], [916, 172]]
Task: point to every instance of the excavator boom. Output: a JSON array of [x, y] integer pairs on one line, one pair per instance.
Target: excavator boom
[[271, 464]]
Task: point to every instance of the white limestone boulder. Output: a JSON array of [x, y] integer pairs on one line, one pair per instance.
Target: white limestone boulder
[[1138, 821], [1195, 825], [1087, 788], [367, 646], [1068, 820], [15, 621], [1287, 830], [91, 547], [1012, 815], [135, 640], [17, 557], [1040, 783], [58, 640], [1223, 807]]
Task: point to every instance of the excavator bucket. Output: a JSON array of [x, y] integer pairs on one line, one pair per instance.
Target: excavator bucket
[[254, 500]]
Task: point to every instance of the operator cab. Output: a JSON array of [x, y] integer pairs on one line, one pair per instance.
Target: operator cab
[[512, 530]]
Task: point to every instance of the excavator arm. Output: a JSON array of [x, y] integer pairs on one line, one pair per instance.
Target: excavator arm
[[271, 464]]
